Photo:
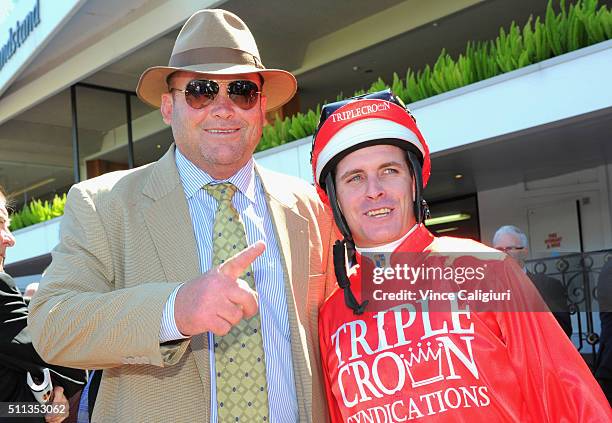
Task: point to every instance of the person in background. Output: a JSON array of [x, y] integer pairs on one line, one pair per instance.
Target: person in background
[[17, 355], [29, 291], [386, 360], [512, 241]]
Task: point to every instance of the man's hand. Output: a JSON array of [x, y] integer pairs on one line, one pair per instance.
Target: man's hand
[[218, 300], [60, 400]]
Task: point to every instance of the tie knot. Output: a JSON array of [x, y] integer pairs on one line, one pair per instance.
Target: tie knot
[[222, 192]]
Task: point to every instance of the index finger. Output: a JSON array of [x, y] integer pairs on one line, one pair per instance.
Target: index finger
[[235, 266]]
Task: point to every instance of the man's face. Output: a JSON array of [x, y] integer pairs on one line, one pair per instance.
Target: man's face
[[6, 237], [219, 138], [511, 244], [376, 194]]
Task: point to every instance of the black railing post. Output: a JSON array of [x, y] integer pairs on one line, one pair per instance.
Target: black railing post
[[578, 276], [75, 135], [130, 146]]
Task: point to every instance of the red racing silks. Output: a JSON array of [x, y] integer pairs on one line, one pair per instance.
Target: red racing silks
[[411, 364]]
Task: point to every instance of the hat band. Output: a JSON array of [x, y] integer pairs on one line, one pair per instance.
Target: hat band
[[206, 55]]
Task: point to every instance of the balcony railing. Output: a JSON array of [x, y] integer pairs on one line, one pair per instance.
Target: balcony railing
[[579, 273]]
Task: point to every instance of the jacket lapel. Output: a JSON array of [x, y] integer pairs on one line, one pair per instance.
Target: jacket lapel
[[292, 234], [169, 223]]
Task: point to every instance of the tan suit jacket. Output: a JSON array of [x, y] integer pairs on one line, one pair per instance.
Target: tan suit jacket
[[126, 242]]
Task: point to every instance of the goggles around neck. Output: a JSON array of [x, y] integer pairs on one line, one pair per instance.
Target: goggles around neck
[[199, 93]]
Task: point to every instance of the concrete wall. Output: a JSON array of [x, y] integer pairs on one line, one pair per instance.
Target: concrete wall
[[34, 241], [512, 204]]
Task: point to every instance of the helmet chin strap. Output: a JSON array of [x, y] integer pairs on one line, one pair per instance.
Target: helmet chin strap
[[421, 209], [330, 188], [340, 250], [343, 249]]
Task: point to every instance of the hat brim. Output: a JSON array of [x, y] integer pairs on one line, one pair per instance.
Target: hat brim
[[279, 86]]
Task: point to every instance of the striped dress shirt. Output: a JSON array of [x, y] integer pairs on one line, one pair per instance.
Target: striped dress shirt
[[250, 202]]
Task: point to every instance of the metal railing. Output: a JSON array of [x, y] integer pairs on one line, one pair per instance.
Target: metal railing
[[579, 274]]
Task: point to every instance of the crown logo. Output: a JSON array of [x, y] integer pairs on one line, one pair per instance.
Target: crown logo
[[423, 364]]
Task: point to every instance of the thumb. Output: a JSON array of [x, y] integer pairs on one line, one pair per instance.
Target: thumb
[[235, 266]]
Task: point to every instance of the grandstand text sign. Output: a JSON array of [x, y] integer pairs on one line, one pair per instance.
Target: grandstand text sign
[[19, 33]]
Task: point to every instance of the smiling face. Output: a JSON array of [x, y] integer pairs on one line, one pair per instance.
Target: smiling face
[[219, 138], [375, 192]]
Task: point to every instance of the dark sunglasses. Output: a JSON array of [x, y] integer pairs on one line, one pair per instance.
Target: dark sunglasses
[[200, 93]]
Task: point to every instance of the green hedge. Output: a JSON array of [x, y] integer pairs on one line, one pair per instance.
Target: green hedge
[[37, 211], [582, 24]]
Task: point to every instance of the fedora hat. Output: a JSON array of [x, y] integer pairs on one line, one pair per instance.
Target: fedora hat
[[216, 41]]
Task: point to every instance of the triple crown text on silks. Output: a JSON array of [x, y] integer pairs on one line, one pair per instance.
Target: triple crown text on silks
[[378, 369]]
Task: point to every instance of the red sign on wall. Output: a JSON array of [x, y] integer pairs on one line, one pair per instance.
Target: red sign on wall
[[553, 241]]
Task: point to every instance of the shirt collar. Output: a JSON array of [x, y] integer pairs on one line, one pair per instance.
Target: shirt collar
[[386, 248], [193, 178], [417, 239]]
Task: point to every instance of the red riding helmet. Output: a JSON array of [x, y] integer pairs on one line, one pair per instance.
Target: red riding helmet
[[346, 126], [378, 118]]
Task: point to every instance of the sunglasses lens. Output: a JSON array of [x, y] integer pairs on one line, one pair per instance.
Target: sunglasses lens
[[243, 93], [201, 92]]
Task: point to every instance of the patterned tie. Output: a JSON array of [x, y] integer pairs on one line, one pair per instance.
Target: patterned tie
[[242, 392]]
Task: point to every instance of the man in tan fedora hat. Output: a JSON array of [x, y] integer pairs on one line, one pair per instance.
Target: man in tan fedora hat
[[194, 282]]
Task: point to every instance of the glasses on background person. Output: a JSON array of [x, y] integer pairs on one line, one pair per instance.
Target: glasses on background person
[[510, 248]]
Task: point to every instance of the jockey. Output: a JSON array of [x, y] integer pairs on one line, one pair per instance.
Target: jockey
[[393, 361]]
